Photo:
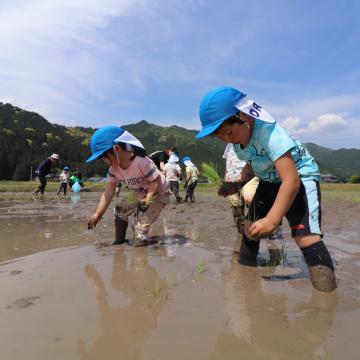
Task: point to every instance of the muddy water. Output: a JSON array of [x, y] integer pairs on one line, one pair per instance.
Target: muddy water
[[65, 297]]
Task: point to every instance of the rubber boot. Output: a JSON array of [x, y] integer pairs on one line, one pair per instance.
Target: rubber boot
[[120, 230], [322, 278], [247, 254]]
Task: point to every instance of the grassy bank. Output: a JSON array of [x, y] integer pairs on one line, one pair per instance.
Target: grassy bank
[[23, 189]]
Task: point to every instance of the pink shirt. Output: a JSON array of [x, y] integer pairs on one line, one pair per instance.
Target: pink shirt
[[139, 176]]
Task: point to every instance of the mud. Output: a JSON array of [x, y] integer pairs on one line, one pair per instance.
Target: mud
[[65, 297]]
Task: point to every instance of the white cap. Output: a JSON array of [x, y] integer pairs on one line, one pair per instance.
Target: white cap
[[55, 156]]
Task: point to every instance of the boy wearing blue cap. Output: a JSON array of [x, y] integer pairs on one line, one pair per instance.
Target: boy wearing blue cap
[[128, 162], [192, 177], [289, 178]]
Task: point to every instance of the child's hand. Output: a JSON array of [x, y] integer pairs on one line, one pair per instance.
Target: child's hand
[[261, 228], [228, 188], [94, 219]]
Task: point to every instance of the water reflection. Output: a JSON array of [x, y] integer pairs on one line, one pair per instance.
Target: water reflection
[[125, 328], [278, 320]]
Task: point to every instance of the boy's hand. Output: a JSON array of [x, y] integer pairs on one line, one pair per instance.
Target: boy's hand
[[261, 228], [94, 219], [229, 188]]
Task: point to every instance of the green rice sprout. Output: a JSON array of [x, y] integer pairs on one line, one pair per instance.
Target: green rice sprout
[[131, 198], [201, 266], [209, 170], [156, 289], [282, 254], [170, 278]]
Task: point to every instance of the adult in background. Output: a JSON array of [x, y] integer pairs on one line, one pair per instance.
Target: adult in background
[[43, 169], [161, 157]]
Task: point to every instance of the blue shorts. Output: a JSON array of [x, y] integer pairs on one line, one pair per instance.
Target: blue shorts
[[304, 215]]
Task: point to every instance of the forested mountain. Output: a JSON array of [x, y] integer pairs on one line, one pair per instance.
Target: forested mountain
[[26, 138]]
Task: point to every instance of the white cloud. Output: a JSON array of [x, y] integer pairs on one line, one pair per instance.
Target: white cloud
[[322, 124], [55, 54]]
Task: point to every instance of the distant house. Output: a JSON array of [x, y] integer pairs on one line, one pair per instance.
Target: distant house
[[329, 178]]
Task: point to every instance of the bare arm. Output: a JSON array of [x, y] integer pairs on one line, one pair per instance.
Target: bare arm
[[104, 203], [289, 187]]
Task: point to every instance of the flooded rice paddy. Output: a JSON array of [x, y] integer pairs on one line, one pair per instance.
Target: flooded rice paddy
[[63, 296]]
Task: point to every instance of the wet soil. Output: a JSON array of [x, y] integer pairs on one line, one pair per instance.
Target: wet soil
[[64, 296]]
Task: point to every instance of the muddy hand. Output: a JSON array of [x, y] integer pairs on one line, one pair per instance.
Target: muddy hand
[[94, 219], [227, 188], [143, 206], [261, 228]]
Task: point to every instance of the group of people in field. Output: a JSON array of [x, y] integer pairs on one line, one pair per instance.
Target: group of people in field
[[74, 181], [267, 169]]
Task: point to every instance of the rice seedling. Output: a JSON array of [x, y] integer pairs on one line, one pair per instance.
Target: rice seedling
[[156, 289], [209, 170], [170, 278], [201, 266], [282, 254]]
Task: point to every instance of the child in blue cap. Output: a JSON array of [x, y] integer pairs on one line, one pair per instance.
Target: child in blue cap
[[192, 177], [126, 157], [289, 178]]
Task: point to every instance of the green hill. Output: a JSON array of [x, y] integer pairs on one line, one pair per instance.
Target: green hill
[[341, 162], [26, 138]]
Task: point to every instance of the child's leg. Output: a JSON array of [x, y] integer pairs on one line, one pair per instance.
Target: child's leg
[[237, 207], [304, 218], [192, 191], [261, 204], [122, 212], [143, 224]]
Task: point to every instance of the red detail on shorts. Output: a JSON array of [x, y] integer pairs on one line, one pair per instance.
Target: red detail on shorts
[[298, 227]]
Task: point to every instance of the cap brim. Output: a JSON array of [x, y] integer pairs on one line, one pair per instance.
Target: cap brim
[[94, 156], [206, 131]]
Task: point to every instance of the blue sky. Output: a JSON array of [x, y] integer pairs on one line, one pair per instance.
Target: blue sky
[[92, 63]]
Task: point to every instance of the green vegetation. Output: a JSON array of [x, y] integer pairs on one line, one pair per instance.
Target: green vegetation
[[26, 139], [211, 173], [156, 289], [355, 179], [201, 266], [344, 192]]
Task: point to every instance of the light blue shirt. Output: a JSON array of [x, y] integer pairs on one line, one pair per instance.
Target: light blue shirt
[[269, 142]]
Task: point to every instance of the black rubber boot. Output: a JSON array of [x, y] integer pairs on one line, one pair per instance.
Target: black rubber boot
[[249, 250], [120, 230]]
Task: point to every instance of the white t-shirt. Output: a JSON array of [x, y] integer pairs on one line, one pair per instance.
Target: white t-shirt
[[139, 176], [64, 177], [172, 171], [234, 165]]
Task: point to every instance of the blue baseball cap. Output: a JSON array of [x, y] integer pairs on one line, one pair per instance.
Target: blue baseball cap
[[216, 106], [103, 139], [66, 168], [185, 158]]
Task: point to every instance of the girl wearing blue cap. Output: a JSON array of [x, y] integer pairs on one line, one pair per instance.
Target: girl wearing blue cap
[[192, 177], [126, 157], [289, 178]]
